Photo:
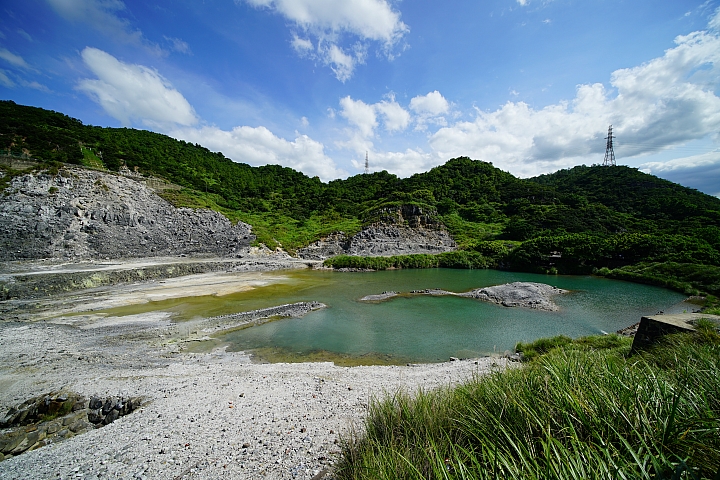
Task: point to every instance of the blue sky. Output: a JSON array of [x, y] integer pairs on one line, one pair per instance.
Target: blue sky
[[529, 85]]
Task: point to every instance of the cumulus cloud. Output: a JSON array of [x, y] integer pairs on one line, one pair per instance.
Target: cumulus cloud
[[14, 60], [103, 16], [364, 117], [430, 109], [432, 104], [340, 29], [368, 19], [664, 102], [259, 146], [396, 117], [128, 91], [359, 114]]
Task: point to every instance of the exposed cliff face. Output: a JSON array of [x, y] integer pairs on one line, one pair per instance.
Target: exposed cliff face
[[88, 214], [400, 231]]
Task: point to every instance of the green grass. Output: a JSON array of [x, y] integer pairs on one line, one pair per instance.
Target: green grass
[[466, 234], [278, 230], [581, 410], [615, 343], [91, 160], [457, 259], [271, 229]]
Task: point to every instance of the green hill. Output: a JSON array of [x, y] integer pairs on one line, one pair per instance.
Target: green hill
[[572, 221]]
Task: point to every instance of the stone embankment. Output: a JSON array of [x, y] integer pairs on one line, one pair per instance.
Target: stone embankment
[[57, 416], [401, 231], [82, 214], [258, 317], [517, 294]]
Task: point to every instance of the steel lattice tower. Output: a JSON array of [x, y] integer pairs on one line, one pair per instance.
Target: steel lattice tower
[[367, 163], [609, 152]]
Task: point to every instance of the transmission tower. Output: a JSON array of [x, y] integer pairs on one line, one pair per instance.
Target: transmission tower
[[609, 152], [367, 163]]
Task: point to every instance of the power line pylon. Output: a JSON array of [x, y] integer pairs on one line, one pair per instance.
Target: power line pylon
[[609, 152], [367, 163]]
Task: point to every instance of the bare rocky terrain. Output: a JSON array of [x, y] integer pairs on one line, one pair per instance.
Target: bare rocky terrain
[[400, 231], [84, 214], [82, 241], [204, 416]]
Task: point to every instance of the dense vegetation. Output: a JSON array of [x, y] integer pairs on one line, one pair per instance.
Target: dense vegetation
[[580, 409], [616, 221]]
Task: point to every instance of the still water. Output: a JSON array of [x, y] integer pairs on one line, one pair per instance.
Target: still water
[[423, 328]]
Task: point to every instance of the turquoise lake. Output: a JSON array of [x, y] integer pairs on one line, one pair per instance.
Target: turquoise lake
[[424, 328]]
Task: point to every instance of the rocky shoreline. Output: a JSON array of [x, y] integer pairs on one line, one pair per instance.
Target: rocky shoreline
[[206, 416]]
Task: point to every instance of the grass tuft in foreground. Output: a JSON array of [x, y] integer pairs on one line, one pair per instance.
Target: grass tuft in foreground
[[581, 410]]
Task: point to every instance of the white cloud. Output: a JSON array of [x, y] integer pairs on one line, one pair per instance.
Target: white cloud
[[396, 117], [364, 117], [664, 102], [360, 114], [330, 22], [368, 19], [430, 109], [431, 104], [14, 60], [522, 2], [259, 146], [302, 45], [127, 91], [102, 15], [341, 63]]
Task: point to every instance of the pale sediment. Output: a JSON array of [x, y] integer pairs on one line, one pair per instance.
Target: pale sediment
[[213, 415]]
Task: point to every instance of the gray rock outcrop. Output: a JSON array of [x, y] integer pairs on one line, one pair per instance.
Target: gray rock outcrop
[[81, 213], [58, 416], [538, 296], [519, 294], [402, 230]]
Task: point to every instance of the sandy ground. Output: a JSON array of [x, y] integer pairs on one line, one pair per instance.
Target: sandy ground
[[261, 271], [212, 415]]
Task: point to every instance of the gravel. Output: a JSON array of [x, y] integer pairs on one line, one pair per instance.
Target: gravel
[[210, 415]]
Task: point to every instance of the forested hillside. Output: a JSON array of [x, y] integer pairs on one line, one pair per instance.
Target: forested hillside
[[572, 221]]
